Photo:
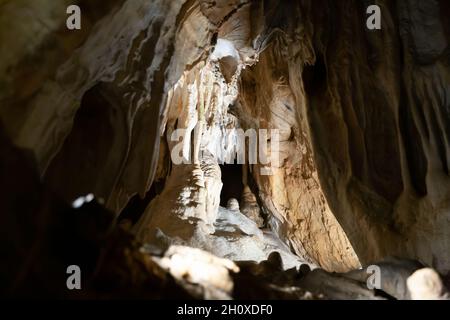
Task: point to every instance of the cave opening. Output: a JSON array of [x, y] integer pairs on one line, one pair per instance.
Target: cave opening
[[81, 165], [232, 183]]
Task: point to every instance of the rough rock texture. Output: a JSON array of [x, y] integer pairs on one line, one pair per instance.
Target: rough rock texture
[[292, 194], [426, 284], [379, 116], [41, 235], [231, 235], [363, 117], [233, 204]]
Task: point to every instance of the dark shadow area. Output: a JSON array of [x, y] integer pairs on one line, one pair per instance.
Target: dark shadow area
[[315, 77], [415, 153], [137, 205], [93, 149], [232, 183]]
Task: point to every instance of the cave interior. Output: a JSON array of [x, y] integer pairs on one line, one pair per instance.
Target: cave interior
[[91, 174]]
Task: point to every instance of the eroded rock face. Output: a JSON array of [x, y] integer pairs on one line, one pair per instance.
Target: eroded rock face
[[379, 124], [292, 194], [363, 118]]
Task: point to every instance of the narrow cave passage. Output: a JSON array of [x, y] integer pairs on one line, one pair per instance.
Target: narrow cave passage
[[232, 183]]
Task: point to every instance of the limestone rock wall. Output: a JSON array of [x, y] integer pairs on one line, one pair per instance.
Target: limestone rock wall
[[292, 194], [378, 112]]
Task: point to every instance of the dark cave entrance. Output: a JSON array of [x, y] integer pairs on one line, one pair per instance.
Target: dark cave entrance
[[91, 149], [232, 183]]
